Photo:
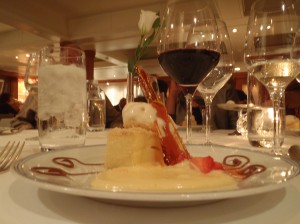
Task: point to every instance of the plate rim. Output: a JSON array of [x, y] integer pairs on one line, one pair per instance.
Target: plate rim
[[164, 197]]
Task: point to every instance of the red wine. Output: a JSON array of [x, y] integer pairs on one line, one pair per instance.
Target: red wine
[[188, 66]]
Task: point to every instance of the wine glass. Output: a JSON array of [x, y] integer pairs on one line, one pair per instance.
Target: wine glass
[[217, 78], [271, 52], [188, 47], [31, 74]]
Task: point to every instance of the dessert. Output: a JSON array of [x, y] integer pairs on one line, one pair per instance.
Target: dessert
[[135, 158], [149, 155], [132, 147], [177, 178]]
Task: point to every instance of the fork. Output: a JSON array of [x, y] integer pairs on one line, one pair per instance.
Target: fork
[[9, 154]]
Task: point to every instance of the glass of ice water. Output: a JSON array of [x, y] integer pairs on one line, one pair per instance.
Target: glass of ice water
[[61, 97]]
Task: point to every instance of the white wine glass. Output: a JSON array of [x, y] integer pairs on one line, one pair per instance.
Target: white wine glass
[[188, 47], [217, 78], [272, 52]]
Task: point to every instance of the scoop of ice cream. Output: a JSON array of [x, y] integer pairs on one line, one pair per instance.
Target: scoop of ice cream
[[138, 114]]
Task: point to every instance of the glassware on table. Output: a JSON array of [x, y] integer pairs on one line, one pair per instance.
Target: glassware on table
[[61, 97], [241, 109], [272, 54], [30, 106], [188, 48], [96, 106], [31, 73], [241, 123], [217, 78], [260, 123]]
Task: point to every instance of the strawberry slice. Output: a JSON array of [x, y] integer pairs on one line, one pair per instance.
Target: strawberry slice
[[205, 164], [218, 166]]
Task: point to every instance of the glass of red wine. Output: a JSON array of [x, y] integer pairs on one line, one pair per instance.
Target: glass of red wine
[[188, 47]]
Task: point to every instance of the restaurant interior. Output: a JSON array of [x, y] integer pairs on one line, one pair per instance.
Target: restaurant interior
[[107, 31], [55, 170]]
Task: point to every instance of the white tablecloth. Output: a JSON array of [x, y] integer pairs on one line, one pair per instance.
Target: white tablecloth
[[23, 203]]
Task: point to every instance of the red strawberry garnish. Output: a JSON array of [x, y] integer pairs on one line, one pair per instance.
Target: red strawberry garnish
[[206, 164], [218, 166]]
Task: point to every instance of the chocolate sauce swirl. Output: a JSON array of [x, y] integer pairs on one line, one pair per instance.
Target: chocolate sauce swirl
[[237, 166], [67, 162]]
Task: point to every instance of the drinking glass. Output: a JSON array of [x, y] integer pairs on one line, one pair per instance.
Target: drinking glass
[[217, 78], [30, 77], [271, 53], [188, 48], [61, 96], [96, 104]]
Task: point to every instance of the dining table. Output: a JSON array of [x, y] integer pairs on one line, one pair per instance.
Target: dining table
[[22, 202]]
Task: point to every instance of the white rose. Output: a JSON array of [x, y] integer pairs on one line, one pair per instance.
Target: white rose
[[146, 21]]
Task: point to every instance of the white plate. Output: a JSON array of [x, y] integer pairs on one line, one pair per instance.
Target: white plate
[[231, 106], [279, 171]]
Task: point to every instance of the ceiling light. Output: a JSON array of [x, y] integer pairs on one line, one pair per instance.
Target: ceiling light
[[27, 55], [234, 30], [107, 83], [17, 57], [237, 69]]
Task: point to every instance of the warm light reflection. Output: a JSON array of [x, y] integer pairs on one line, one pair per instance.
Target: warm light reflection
[[261, 27], [285, 71], [22, 92], [114, 91], [283, 174], [270, 112]]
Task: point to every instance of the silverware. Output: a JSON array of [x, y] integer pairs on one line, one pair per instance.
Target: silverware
[[9, 154]]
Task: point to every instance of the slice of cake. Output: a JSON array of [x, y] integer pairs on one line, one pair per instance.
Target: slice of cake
[[133, 147]]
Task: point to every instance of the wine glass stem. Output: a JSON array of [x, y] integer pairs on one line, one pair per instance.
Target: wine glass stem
[[188, 99], [208, 101], [278, 102]]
